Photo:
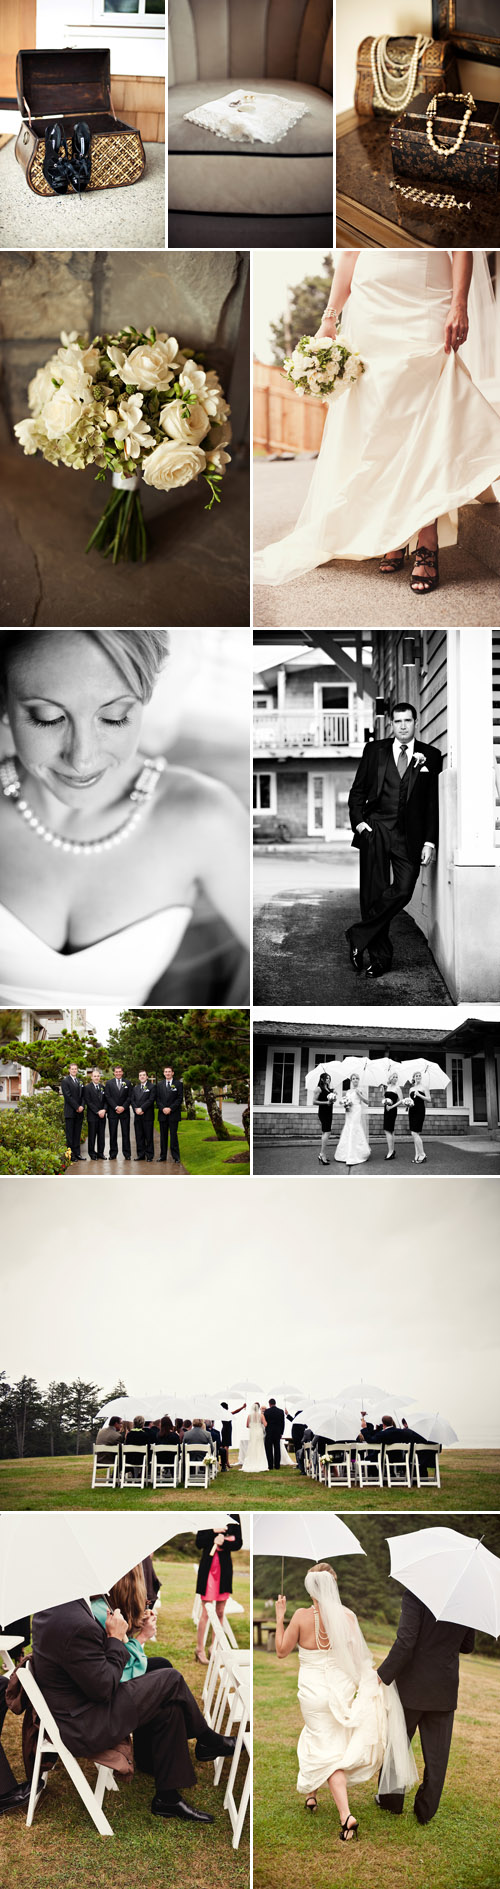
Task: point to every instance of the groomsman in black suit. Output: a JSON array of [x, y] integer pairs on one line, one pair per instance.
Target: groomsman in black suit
[[275, 1424], [117, 1093], [96, 1116], [143, 1098], [169, 1098], [74, 1104], [394, 811], [425, 1662]]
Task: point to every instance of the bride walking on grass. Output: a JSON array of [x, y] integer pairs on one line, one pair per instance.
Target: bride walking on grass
[[255, 1459], [354, 1726]]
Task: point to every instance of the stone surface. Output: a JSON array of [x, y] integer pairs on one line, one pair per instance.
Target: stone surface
[[129, 218], [301, 956], [197, 568], [353, 594], [189, 294], [41, 293]]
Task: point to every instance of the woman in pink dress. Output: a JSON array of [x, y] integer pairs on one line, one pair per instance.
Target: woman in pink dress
[[215, 1574]]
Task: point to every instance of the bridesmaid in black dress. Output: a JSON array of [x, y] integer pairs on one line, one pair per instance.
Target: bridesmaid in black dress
[[324, 1096], [392, 1095], [418, 1097]]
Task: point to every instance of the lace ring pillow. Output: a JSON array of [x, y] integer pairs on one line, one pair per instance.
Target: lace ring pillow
[[261, 117]]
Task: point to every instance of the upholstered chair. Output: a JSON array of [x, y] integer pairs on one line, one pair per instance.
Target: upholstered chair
[[283, 46]]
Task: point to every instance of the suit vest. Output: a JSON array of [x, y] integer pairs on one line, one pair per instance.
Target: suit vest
[[394, 795]]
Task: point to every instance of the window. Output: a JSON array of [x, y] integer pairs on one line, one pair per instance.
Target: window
[[262, 702], [318, 808], [457, 1081], [336, 696], [479, 1109], [283, 1076], [342, 813], [132, 12], [262, 793]]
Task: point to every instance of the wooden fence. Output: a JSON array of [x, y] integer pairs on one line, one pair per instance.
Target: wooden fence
[[282, 420]]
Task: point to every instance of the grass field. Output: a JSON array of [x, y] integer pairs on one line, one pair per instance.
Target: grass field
[[470, 1479], [201, 1153], [458, 1850], [64, 1851]]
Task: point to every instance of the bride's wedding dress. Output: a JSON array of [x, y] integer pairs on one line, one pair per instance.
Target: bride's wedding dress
[[354, 1146], [255, 1458], [351, 1722], [411, 441]]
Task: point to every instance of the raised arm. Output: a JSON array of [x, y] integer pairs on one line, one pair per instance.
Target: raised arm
[[457, 322], [340, 290], [286, 1637]]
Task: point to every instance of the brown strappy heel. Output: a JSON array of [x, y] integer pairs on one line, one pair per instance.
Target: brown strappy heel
[[423, 584], [389, 565]]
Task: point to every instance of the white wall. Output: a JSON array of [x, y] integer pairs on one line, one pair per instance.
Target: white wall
[[356, 18]]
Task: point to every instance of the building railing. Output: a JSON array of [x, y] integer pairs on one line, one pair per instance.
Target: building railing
[[282, 731]]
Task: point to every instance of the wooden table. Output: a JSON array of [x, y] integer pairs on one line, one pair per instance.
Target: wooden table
[[371, 213], [267, 1627]]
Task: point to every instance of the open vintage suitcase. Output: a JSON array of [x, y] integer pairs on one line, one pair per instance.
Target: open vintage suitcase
[[68, 84]]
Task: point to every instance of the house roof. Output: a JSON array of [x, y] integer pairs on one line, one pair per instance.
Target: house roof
[[471, 1033]]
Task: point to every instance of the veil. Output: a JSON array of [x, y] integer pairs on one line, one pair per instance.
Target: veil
[[346, 1640], [255, 1416], [480, 349]]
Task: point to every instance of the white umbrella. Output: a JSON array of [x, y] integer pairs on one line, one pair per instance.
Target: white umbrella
[[145, 1406], [288, 1390], [435, 1429], [430, 1073], [339, 1422], [310, 1537], [374, 1399], [334, 1070], [453, 1574], [47, 1559], [378, 1067]]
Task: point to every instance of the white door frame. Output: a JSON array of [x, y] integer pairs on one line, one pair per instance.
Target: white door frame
[[294, 1048]]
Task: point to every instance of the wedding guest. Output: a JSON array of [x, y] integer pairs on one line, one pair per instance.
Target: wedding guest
[[95, 1100], [143, 1098], [110, 1431], [392, 1097], [425, 1661], [13, 1796], [117, 1094], [73, 1093], [169, 1098], [196, 1433], [79, 1664], [324, 1096], [394, 811], [215, 1574], [418, 1096], [227, 1427]]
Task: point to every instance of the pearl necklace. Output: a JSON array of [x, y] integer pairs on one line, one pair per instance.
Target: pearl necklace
[[142, 791], [395, 79], [449, 150], [323, 1644]]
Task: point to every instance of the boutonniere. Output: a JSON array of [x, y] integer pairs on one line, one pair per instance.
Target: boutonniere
[[419, 762]]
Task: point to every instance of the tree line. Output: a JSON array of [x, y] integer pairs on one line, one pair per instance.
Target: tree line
[[61, 1421]]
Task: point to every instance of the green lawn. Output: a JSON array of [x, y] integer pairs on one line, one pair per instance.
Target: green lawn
[[201, 1153], [63, 1851], [470, 1479], [458, 1850]]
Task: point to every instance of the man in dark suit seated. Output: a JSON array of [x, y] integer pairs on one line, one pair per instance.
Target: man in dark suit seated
[[13, 1796], [394, 811], [78, 1666], [425, 1663], [143, 1098]]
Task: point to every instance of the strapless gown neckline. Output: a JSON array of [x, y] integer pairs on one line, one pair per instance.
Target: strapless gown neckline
[[122, 967]]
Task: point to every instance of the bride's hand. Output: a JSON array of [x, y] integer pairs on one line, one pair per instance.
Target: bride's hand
[[328, 328], [280, 1609], [456, 327]]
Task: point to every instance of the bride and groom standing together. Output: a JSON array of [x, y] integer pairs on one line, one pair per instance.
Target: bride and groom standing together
[[265, 1431]]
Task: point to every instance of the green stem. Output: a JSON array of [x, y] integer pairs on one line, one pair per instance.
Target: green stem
[[121, 532]]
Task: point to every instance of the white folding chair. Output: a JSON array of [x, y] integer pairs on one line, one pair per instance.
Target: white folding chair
[[7, 1642], [397, 1466], [49, 1743], [237, 1812], [165, 1465], [338, 1465], [134, 1464], [196, 1469], [432, 1481], [369, 1466], [106, 1457], [214, 1465]]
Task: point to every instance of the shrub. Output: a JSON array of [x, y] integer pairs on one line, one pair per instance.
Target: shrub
[[32, 1136]]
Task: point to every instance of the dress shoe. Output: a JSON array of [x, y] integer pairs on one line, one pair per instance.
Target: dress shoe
[[373, 969], [214, 1746], [138, 1157], [161, 1160], [14, 1800], [356, 957], [80, 164], [55, 164], [186, 1812]]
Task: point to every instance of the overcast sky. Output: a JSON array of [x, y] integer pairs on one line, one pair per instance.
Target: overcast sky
[[123, 1282]]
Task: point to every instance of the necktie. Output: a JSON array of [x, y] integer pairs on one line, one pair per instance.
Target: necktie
[[402, 762]]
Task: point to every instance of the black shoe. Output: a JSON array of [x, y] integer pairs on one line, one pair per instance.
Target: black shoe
[[161, 1160], [356, 957], [80, 164], [139, 1157], [214, 1746], [373, 969], [186, 1812], [14, 1800], [81, 1157], [55, 164]]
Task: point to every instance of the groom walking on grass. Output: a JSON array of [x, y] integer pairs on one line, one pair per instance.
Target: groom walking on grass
[[275, 1424], [424, 1661], [394, 810]]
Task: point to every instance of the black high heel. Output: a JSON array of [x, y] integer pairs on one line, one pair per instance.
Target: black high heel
[[55, 164], [391, 564], [81, 161], [348, 1829], [422, 583]]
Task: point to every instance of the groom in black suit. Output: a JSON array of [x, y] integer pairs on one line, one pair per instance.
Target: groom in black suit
[[424, 1661], [74, 1104], [117, 1093], [275, 1424], [394, 810], [169, 1097]]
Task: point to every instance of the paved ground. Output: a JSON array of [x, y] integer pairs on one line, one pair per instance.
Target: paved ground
[[459, 1154], [120, 1169], [197, 569], [130, 218], [349, 593], [300, 950]]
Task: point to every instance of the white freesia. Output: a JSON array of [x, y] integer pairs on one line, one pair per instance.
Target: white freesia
[[129, 426], [63, 411], [118, 358], [217, 458], [192, 379], [149, 365], [41, 387], [184, 426], [68, 368], [212, 398], [25, 432], [173, 464]]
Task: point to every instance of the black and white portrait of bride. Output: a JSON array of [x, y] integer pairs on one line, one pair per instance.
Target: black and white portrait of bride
[[124, 840]]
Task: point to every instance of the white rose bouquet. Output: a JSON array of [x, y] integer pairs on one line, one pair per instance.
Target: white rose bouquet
[[323, 368], [129, 403]]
